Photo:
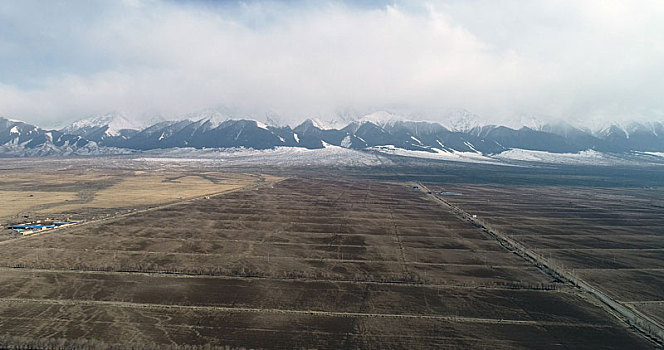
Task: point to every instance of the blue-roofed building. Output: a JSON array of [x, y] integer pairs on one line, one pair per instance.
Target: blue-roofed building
[[62, 223], [32, 227]]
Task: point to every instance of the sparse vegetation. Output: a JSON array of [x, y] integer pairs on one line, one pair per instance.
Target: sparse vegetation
[[298, 263]]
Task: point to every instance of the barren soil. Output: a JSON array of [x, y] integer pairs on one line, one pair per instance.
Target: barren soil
[[300, 263]]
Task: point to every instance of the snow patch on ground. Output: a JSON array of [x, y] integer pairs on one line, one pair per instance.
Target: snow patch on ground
[[517, 157], [656, 154], [547, 157], [589, 157], [48, 149], [438, 154], [283, 156]]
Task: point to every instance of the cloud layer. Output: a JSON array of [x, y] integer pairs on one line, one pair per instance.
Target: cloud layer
[[573, 60]]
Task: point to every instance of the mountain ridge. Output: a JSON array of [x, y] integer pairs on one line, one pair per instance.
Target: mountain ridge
[[114, 133]]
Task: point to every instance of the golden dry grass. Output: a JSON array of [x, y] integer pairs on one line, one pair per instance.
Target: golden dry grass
[[149, 189], [19, 180], [56, 192], [15, 203]]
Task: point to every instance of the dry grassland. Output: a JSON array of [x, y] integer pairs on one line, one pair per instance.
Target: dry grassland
[[87, 193], [15, 202], [145, 189]]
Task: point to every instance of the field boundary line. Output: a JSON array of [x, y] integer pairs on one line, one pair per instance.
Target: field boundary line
[[167, 274], [234, 240], [463, 319], [291, 258], [616, 249], [643, 302]]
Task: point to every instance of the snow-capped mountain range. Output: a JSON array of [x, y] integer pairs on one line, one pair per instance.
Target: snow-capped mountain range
[[380, 132]]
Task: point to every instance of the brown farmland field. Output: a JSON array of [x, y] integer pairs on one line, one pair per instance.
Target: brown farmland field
[[283, 263], [611, 238]]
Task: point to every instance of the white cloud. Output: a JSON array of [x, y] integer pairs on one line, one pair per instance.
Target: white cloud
[[565, 59]]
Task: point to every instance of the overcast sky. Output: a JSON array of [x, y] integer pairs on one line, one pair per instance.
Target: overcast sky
[[571, 60]]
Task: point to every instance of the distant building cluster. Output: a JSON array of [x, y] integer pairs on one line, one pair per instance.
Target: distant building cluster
[[32, 227]]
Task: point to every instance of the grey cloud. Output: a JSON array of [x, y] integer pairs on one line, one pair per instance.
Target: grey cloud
[[589, 60]]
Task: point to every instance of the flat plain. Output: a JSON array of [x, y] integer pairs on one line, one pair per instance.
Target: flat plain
[[612, 238], [290, 262]]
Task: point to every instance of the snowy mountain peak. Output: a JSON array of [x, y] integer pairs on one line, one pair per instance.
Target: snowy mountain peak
[[320, 124], [113, 122], [621, 130], [627, 129], [213, 116], [463, 121], [533, 122], [382, 118]]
